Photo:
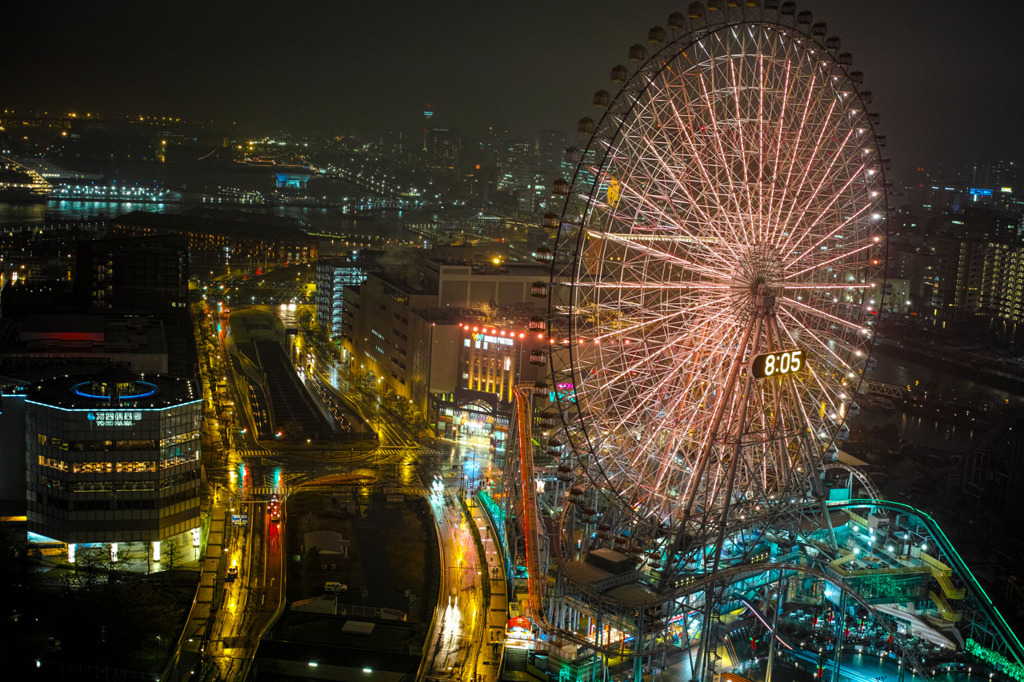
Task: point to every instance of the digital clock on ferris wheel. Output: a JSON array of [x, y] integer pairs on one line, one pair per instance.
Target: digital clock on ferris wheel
[[777, 363]]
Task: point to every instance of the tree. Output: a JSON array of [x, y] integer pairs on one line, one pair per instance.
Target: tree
[[15, 562], [90, 561], [172, 554], [305, 317], [113, 568], [292, 431]]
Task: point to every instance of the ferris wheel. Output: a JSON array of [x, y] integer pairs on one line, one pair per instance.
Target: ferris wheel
[[718, 267]]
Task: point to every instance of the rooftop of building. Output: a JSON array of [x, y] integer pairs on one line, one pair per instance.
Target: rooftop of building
[[82, 333], [113, 387], [303, 636], [398, 281], [487, 269], [451, 316], [235, 225]]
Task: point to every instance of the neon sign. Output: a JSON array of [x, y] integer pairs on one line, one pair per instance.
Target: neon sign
[[114, 417], [504, 341]]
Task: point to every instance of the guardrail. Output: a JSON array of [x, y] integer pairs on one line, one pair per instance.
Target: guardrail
[[442, 596], [1005, 633]]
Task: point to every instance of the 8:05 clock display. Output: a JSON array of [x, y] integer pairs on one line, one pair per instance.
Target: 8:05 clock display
[[780, 362]]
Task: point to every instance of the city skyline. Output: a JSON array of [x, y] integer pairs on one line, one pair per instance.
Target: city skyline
[[943, 77], [512, 342]]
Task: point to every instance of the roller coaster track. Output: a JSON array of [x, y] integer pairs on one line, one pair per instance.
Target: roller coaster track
[[1015, 651], [531, 516], [869, 486], [1011, 645], [536, 582]]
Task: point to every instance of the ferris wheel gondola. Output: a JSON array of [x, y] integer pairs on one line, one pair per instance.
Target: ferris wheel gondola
[[717, 272]]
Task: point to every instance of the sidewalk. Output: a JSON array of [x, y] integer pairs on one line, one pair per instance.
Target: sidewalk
[[193, 635], [496, 612]]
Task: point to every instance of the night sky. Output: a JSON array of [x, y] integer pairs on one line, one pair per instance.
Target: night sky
[[947, 81]]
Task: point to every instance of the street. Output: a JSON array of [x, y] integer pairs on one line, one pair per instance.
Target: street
[[242, 572]]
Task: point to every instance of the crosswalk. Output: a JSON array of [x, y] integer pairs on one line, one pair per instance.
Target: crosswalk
[[383, 449], [268, 490], [255, 453], [417, 449], [418, 491], [362, 488]]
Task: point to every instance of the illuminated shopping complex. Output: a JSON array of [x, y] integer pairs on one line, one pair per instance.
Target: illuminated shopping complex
[[491, 360], [111, 458]]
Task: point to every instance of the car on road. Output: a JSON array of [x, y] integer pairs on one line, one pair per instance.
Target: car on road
[[232, 574]]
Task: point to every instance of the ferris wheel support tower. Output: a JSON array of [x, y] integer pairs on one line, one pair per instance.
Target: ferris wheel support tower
[[718, 267]]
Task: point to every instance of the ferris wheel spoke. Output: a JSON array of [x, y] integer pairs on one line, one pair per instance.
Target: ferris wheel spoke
[[828, 287], [719, 156], [818, 312], [762, 88], [697, 378], [627, 241], [774, 187], [684, 393], [828, 235], [809, 166], [646, 200], [633, 366], [739, 125], [793, 189], [841, 257], [660, 318], [722, 239], [791, 163], [794, 244], [821, 345], [683, 186], [666, 286], [734, 220]]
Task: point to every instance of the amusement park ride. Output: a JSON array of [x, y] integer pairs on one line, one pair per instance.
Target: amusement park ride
[[718, 267]]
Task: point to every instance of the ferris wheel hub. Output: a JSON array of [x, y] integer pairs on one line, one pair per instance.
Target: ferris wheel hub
[[721, 246]]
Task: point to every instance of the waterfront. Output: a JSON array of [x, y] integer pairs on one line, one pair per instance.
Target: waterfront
[[386, 225], [923, 431]]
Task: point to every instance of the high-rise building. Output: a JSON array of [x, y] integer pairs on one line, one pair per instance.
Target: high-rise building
[[402, 338], [141, 275], [332, 276], [444, 149], [493, 359], [111, 458], [520, 176]]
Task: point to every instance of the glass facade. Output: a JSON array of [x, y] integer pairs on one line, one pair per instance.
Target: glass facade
[[112, 473]]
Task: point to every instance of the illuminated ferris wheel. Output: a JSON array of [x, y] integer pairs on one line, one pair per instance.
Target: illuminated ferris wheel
[[718, 266]]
